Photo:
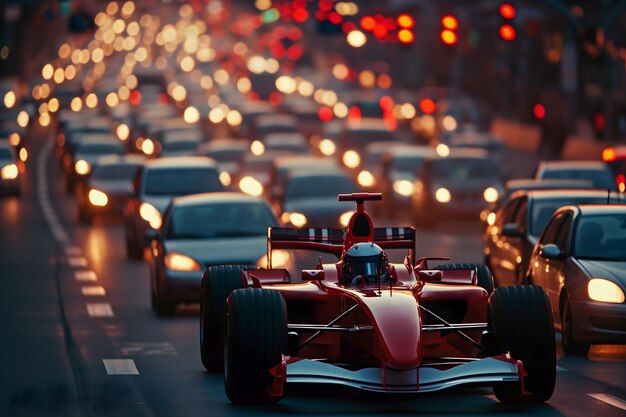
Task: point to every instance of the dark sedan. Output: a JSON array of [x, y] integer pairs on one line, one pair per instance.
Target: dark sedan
[[580, 260], [203, 230]]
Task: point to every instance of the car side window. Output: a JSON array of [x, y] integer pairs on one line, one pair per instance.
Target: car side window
[[551, 231], [562, 238], [507, 214], [521, 215]]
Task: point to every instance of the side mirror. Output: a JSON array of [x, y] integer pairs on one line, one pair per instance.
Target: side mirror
[[551, 251], [511, 229]]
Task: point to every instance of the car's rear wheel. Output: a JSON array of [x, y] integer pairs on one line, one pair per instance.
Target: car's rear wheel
[[570, 347], [522, 322], [217, 283], [484, 278], [256, 338]]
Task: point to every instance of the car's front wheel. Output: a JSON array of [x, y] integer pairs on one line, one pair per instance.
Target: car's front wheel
[[522, 321], [570, 347], [256, 338]]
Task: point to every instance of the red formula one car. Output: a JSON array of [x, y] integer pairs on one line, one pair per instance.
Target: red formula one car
[[370, 325]]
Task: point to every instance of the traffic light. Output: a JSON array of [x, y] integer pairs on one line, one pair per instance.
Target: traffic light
[[405, 26], [507, 13], [448, 33]]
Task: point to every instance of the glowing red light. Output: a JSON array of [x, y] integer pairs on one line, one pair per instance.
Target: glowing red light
[[507, 11], [450, 22], [539, 111], [621, 181], [507, 32], [367, 23], [598, 121], [275, 98], [405, 21], [386, 103], [335, 18], [354, 114], [380, 30], [325, 5], [448, 37], [300, 15], [427, 106], [294, 52], [325, 114], [135, 97], [405, 36], [294, 34], [608, 154]]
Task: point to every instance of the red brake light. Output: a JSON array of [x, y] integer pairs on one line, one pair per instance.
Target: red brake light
[[608, 155]]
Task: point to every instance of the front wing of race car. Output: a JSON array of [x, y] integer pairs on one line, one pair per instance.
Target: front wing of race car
[[481, 372]]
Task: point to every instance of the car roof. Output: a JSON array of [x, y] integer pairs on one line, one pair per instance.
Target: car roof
[[463, 153], [553, 184], [551, 194], [305, 173], [591, 209], [181, 162], [130, 159], [226, 143], [567, 165], [409, 151], [215, 197]]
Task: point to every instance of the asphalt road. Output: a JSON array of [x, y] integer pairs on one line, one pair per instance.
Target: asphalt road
[[78, 337]]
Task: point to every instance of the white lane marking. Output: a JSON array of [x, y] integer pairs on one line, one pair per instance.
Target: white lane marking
[[73, 251], [147, 349], [85, 276], [99, 309], [611, 400], [120, 366], [95, 290], [77, 261]]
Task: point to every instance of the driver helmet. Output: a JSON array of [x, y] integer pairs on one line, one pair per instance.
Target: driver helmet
[[366, 260]]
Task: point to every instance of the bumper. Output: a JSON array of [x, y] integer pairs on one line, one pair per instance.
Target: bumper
[[180, 287], [9, 186], [596, 322], [484, 372]]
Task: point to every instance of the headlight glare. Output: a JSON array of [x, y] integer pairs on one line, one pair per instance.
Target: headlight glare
[[181, 263], [9, 172], [98, 198], [150, 214], [443, 195], [605, 291]]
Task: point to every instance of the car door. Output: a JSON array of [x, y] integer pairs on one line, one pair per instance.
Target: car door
[[548, 273]]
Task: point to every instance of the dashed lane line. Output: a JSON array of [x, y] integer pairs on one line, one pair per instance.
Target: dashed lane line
[[95, 290], [85, 276], [609, 399], [120, 366], [99, 309], [77, 261]]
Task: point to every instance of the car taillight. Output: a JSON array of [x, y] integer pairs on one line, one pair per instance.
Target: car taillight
[[621, 182]]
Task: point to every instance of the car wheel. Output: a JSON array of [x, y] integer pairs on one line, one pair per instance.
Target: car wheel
[[256, 338], [162, 307], [484, 279], [570, 347], [522, 322], [217, 283]]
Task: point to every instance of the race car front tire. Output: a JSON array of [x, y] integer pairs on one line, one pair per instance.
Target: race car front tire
[[256, 338], [522, 321], [484, 279], [218, 281]]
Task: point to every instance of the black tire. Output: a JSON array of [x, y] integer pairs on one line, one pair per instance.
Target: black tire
[[570, 347], [217, 283], [162, 307], [522, 322], [256, 338], [485, 278]]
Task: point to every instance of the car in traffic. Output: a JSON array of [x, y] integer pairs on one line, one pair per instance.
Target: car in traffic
[[615, 158], [369, 325], [580, 261], [519, 223], [107, 187], [227, 153], [456, 186], [85, 152], [208, 229], [597, 172], [154, 186], [9, 170]]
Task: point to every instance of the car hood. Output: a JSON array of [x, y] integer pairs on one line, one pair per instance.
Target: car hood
[[238, 250], [113, 187], [613, 270]]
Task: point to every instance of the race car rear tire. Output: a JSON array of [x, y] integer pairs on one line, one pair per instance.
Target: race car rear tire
[[523, 325], [484, 279], [256, 338], [218, 282]]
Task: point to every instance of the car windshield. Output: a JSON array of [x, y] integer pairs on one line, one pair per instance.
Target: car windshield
[[407, 163], [226, 155], [543, 210], [180, 145], [101, 148], [181, 181], [599, 178], [220, 220], [318, 186], [5, 154], [114, 172], [460, 169], [601, 237]]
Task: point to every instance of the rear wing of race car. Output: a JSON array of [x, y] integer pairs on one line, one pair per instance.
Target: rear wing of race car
[[332, 240]]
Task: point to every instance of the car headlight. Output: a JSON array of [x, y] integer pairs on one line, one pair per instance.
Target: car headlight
[[150, 214], [147, 146], [449, 123], [181, 263], [605, 291], [327, 147], [366, 179], [98, 198], [442, 150], [344, 219], [491, 195], [225, 178], [297, 219], [257, 148], [251, 186], [9, 172], [351, 159], [82, 167], [443, 195], [491, 218], [280, 259], [403, 187]]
